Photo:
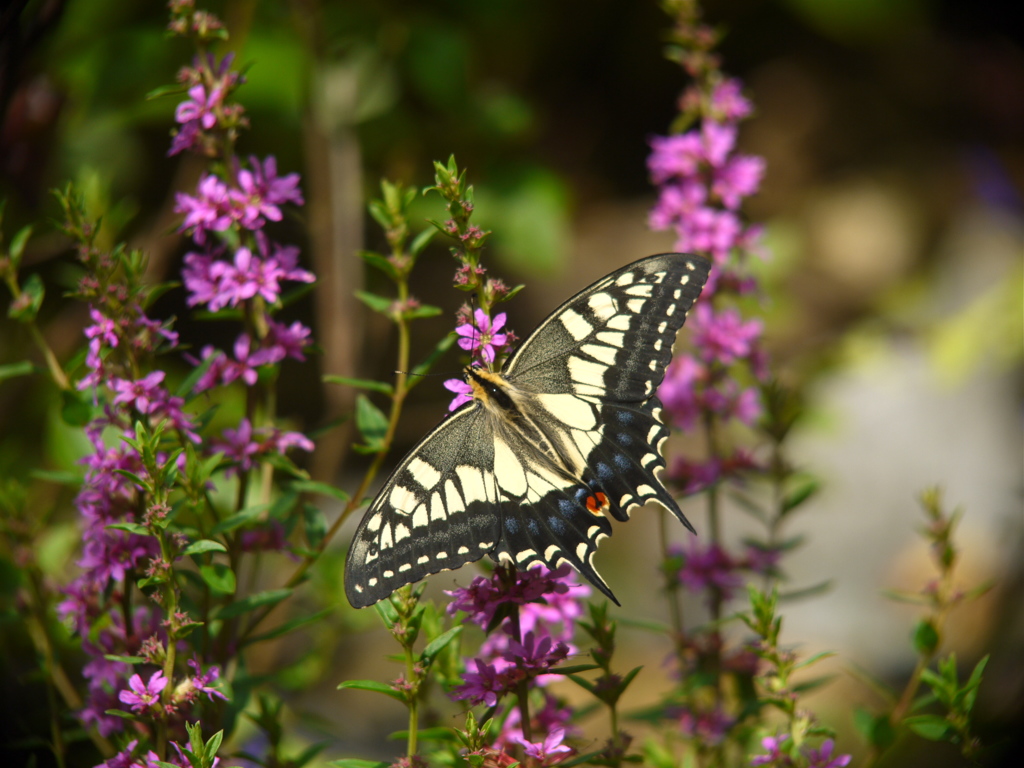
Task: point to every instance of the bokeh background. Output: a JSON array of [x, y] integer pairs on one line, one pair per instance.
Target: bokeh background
[[892, 132]]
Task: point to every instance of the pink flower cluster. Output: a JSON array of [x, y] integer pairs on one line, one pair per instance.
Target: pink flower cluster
[[702, 182], [548, 603], [255, 198], [704, 568], [206, 110]]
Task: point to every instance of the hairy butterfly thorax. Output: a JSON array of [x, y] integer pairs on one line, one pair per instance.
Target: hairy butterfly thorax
[[567, 433]]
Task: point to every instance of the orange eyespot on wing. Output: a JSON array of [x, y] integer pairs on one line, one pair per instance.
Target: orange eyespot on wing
[[597, 503]]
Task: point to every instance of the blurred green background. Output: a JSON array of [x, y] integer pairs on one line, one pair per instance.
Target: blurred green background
[[892, 133]]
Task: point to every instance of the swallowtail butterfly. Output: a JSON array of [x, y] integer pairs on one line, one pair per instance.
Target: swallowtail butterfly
[[566, 434]]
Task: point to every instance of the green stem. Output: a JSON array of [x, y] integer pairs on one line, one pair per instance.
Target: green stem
[[522, 689], [356, 500]]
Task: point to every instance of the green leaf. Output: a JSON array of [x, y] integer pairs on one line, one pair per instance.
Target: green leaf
[[353, 762], [122, 714], [371, 422], [799, 496], [165, 90], [814, 659], [926, 638], [291, 626], [931, 727], [875, 729], [424, 310], [574, 669], [124, 659], [13, 370], [59, 476], [377, 303], [438, 644], [27, 306], [187, 387], [239, 519], [135, 528], [75, 410], [420, 241], [252, 602], [437, 733], [377, 260], [219, 578], [373, 685], [18, 243], [375, 386], [324, 489], [315, 524], [204, 545], [971, 686]]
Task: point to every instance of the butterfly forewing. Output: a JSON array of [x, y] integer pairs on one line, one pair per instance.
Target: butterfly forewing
[[529, 476], [614, 339]]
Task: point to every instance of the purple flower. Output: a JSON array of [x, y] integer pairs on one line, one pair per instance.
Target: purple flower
[[723, 336], [678, 390], [549, 717], [463, 392], [128, 759], [202, 682], [549, 751], [283, 341], [245, 444], [481, 337], [200, 108], [482, 598], [142, 395], [675, 157], [710, 728], [822, 758], [103, 330], [261, 192], [210, 210], [728, 102], [775, 754], [481, 687], [708, 568], [200, 283], [739, 177], [244, 278], [141, 695]]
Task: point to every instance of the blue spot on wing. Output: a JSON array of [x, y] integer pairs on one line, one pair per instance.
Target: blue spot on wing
[[511, 525]]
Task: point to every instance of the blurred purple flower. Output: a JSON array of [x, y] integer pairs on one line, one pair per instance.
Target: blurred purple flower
[[709, 727], [550, 751], [723, 336], [261, 191], [710, 568], [142, 395], [202, 682], [246, 444], [211, 210], [822, 758], [199, 107], [128, 759], [775, 754]]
